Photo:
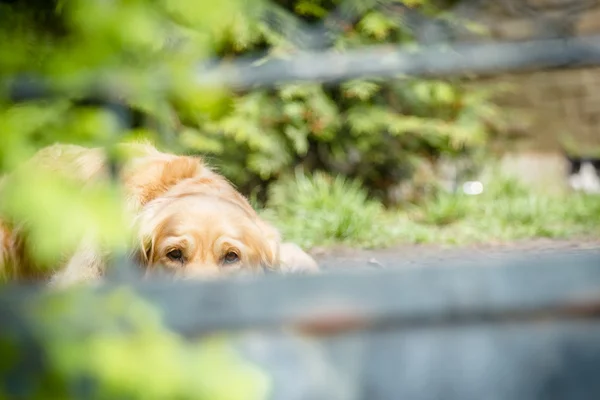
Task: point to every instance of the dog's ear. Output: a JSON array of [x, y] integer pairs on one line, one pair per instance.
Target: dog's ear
[[151, 178], [147, 228], [271, 253], [142, 254]]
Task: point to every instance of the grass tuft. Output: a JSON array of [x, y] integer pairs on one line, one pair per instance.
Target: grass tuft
[[320, 210]]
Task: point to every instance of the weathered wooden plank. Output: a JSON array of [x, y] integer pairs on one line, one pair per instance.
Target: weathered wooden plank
[[458, 59], [544, 360], [516, 361], [509, 289], [519, 329]]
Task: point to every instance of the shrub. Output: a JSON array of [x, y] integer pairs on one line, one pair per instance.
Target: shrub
[[374, 130], [371, 129]]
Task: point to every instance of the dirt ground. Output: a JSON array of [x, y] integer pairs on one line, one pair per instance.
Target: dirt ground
[[424, 255]]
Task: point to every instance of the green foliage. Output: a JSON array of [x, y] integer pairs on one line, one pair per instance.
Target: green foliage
[[95, 213], [442, 210], [141, 54], [144, 54], [129, 355], [319, 209], [370, 129], [354, 129]]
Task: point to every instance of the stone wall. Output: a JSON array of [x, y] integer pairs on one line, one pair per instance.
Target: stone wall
[[517, 20], [549, 107]]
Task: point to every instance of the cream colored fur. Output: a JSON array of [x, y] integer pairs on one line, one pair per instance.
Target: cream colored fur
[[149, 178]]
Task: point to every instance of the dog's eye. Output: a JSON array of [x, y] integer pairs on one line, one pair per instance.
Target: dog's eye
[[175, 255], [231, 258]]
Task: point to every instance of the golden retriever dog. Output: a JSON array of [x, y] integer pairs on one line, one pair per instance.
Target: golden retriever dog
[[188, 220]]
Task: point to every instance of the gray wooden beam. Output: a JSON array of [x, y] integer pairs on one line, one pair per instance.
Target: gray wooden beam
[[510, 289], [458, 59], [518, 328], [328, 66]]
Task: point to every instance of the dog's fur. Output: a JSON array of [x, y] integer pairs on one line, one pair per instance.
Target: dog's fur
[[188, 219]]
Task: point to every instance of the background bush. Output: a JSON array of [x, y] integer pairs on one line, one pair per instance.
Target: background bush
[[379, 131]]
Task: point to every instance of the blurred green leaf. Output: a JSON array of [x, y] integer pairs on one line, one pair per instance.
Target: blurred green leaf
[[127, 330], [95, 212], [377, 25], [362, 90]]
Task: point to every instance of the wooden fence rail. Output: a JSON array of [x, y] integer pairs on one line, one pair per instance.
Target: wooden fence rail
[[520, 328]]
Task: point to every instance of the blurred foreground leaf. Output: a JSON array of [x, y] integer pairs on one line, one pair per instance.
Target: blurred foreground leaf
[[114, 346]]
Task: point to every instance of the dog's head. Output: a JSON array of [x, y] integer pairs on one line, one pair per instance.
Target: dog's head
[[194, 224], [201, 235]]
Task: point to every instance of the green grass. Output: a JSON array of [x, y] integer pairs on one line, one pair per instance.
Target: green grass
[[321, 211]]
